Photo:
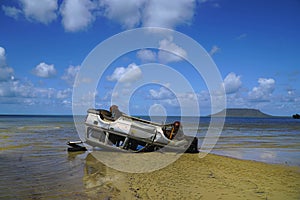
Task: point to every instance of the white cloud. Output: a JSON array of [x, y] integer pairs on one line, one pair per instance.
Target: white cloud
[[8, 85], [168, 14], [2, 56], [156, 110], [187, 99], [169, 102], [289, 96], [126, 75], [14, 88], [183, 101], [63, 94], [44, 70], [169, 52], [70, 74], [23, 91], [86, 99], [17, 92], [149, 13], [128, 13], [162, 93], [43, 11], [212, 3], [232, 83], [146, 55], [77, 14], [6, 72], [167, 46], [11, 11], [242, 36], [214, 50], [264, 91], [110, 94], [5, 89], [48, 93]]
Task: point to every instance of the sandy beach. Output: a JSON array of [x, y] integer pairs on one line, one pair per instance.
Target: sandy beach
[[211, 177]]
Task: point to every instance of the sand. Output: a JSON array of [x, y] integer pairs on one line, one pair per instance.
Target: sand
[[189, 177]]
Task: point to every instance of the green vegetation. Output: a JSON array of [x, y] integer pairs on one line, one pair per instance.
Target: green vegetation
[[242, 112]]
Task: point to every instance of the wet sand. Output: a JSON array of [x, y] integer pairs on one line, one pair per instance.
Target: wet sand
[[211, 177]]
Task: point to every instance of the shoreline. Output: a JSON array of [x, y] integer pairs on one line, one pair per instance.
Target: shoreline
[[211, 177], [189, 177], [269, 157]]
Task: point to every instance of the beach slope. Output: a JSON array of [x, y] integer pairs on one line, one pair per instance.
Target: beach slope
[[211, 177], [217, 177]]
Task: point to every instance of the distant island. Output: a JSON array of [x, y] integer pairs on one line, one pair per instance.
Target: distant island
[[296, 116], [242, 112]]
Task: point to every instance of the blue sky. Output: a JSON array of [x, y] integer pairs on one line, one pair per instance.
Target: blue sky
[[255, 45]]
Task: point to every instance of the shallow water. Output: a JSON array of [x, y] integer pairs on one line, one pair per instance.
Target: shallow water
[[33, 158], [34, 162], [271, 140]]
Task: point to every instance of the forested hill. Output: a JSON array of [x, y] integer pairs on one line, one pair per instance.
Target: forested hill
[[242, 112]]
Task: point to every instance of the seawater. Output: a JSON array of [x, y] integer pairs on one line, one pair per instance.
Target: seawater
[[34, 162], [271, 140]]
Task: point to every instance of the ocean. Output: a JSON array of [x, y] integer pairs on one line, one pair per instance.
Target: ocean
[[35, 163]]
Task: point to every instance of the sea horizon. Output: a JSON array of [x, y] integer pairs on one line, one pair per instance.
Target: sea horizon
[[237, 134], [71, 115]]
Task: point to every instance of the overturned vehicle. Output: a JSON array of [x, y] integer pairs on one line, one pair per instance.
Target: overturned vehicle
[[114, 130]]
